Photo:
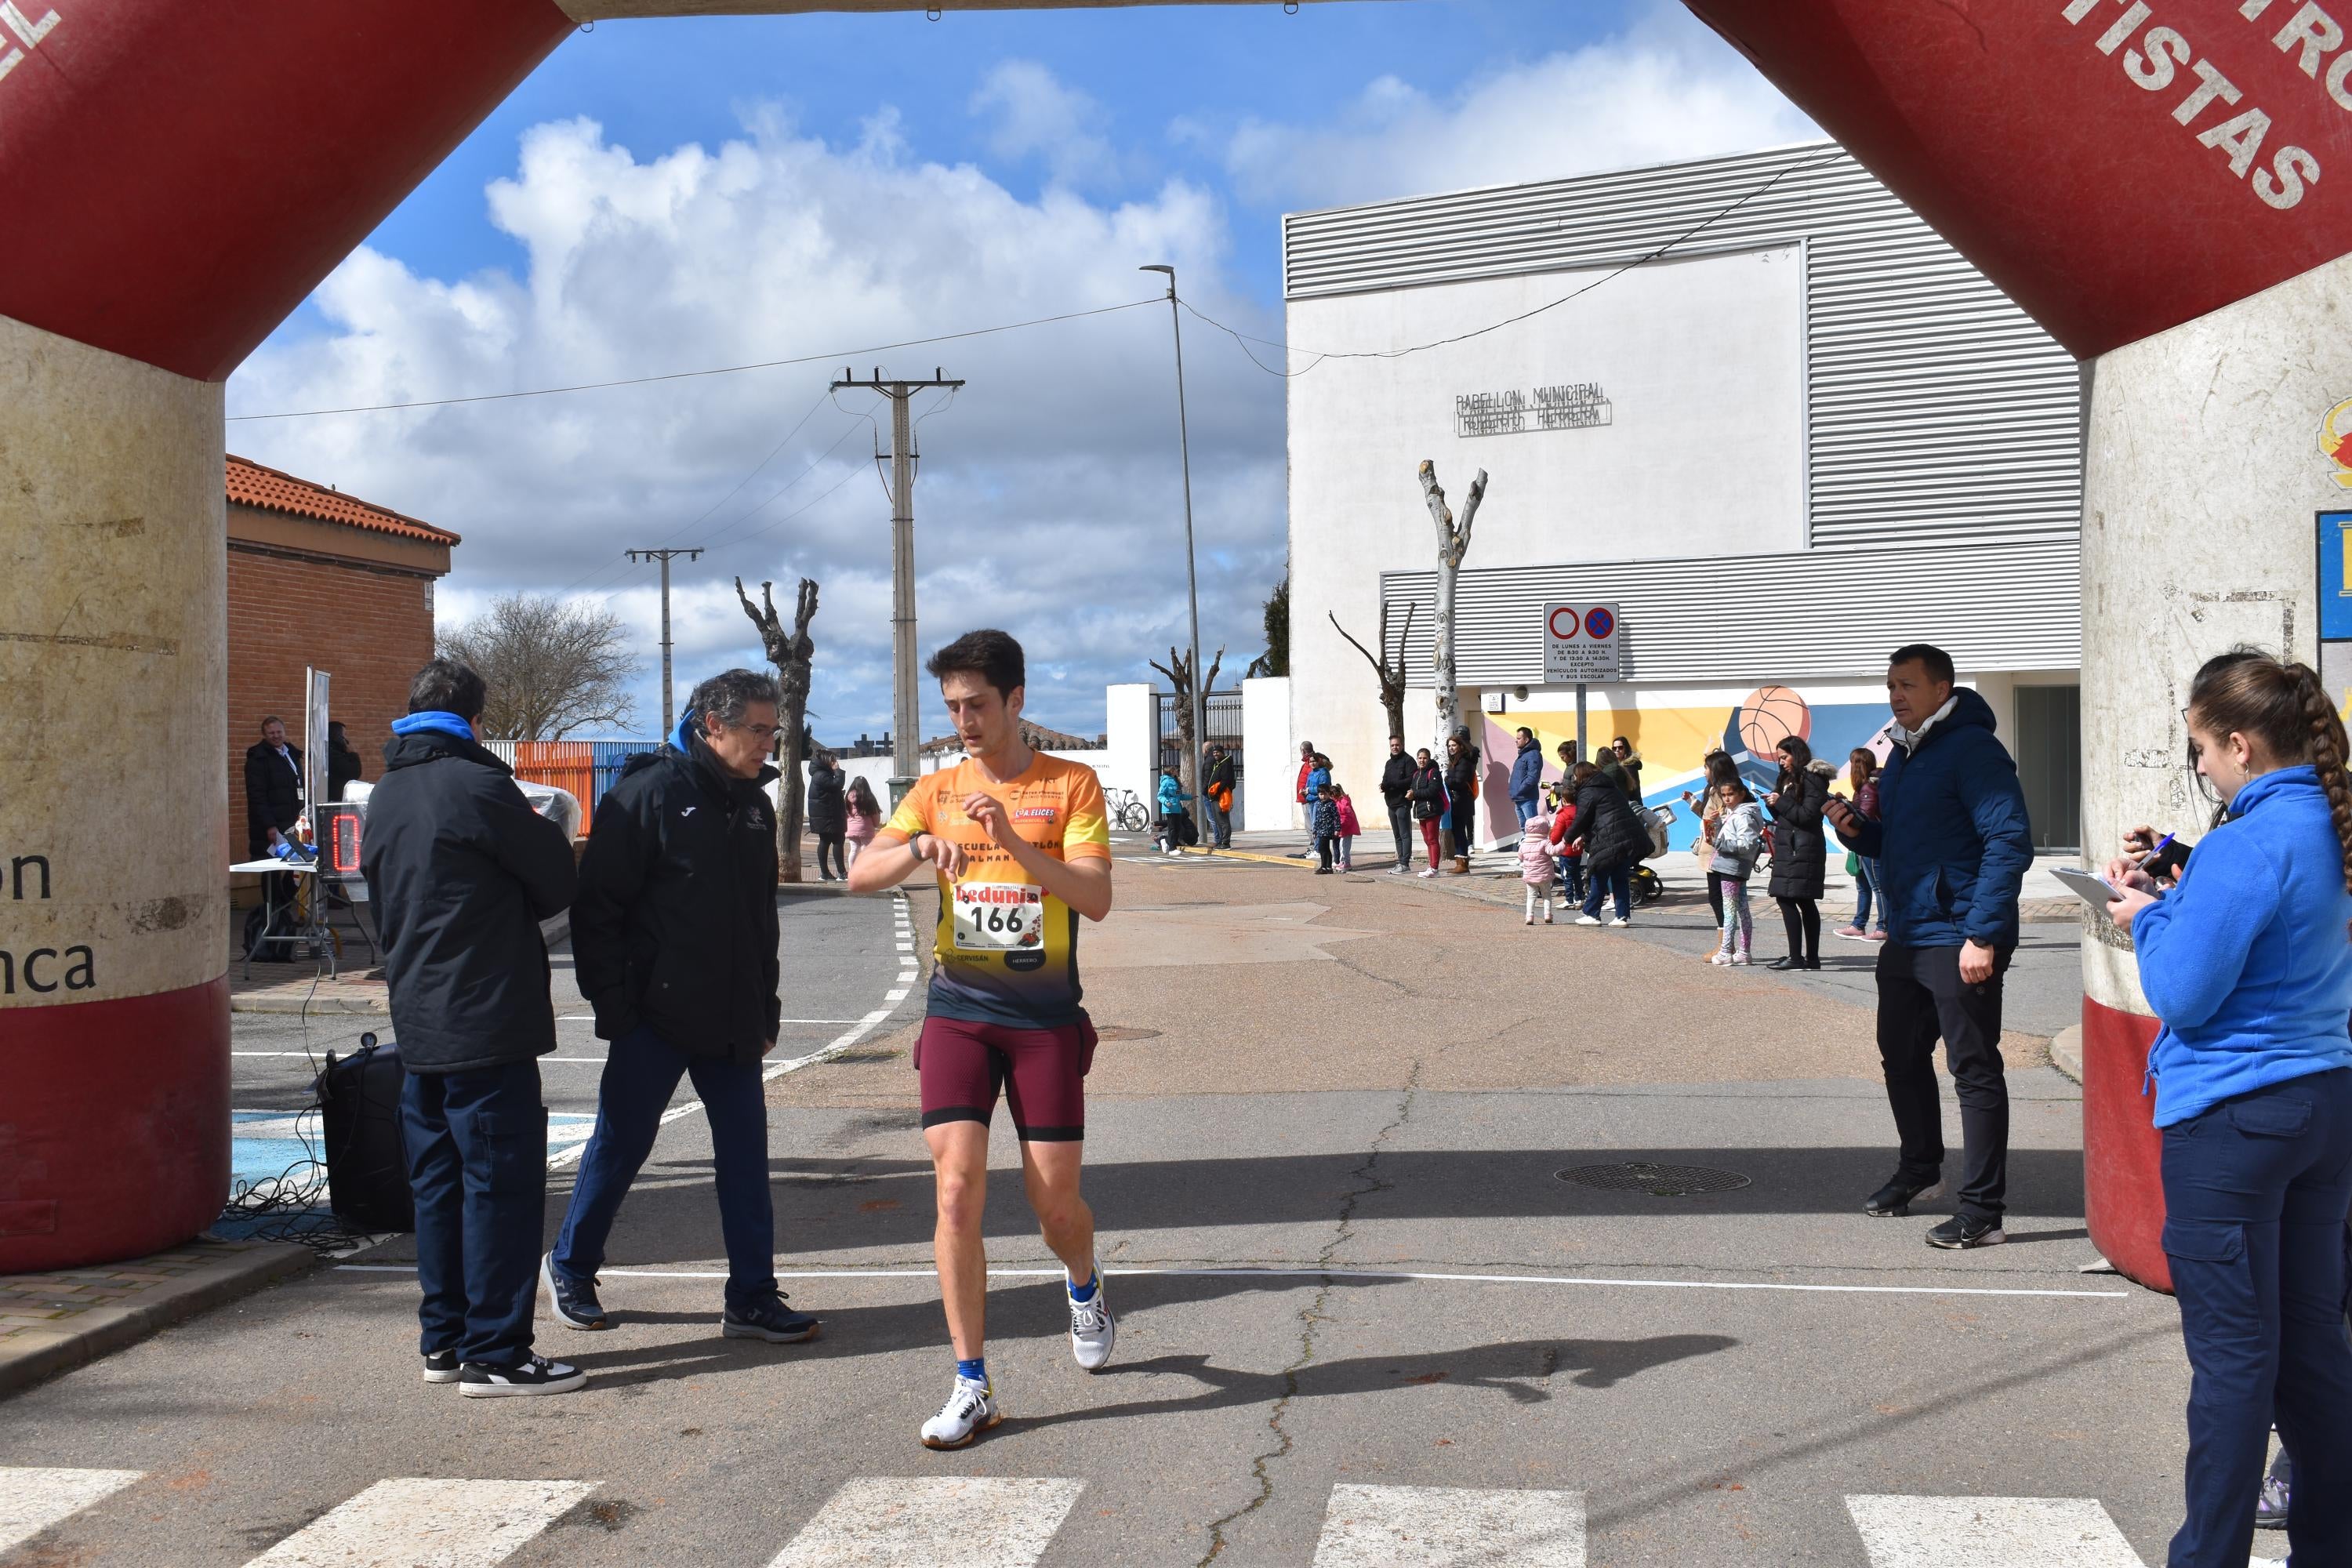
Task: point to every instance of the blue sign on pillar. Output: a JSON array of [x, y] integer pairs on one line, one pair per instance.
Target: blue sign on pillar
[[2335, 578]]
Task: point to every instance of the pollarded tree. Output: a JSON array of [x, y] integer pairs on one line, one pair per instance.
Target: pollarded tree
[[552, 667]]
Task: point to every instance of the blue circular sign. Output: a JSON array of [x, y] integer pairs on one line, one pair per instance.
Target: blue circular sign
[[1599, 622]]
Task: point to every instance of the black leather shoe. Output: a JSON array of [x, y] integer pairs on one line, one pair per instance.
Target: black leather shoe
[[1895, 1198], [1965, 1230], [1791, 962]]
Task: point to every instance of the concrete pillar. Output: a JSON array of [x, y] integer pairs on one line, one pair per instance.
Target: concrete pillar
[[114, 1136], [1131, 740], [2203, 474], [1269, 755]]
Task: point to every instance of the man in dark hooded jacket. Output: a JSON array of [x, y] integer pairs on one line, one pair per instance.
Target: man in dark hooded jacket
[[461, 871], [673, 935], [1953, 845]]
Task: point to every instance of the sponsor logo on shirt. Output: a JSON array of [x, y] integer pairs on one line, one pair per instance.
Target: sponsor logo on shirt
[[1034, 814]]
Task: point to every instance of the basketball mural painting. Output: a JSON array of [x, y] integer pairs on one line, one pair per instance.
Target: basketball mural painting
[[1673, 738]]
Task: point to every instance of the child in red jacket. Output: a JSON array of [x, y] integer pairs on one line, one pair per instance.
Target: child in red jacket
[[1349, 827], [1572, 856]]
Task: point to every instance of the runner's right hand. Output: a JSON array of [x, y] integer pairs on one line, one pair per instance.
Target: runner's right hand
[[945, 854]]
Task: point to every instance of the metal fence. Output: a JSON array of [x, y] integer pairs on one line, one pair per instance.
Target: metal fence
[[1221, 716], [585, 768]]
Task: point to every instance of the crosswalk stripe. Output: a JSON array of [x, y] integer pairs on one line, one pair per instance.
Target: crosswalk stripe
[[965, 1522], [33, 1499], [416, 1522], [1989, 1532], [1451, 1527]]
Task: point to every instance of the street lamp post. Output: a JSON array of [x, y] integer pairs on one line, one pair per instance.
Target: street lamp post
[[1191, 576]]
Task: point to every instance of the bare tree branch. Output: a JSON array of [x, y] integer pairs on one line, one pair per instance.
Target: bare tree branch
[[1453, 544], [550, 667], [792, 653]]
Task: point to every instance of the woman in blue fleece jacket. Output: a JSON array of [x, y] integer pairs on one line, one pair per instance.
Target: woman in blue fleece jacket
[[2248, 962]]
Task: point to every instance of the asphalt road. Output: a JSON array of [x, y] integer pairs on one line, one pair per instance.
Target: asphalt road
[[1363, 1317]]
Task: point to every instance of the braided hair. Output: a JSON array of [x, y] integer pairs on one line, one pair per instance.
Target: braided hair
[[2282, 705]]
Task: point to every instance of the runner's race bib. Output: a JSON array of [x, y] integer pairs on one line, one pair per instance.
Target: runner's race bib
[[998, 917]]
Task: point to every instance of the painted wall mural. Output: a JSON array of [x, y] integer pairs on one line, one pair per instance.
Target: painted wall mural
[[1673, 744]]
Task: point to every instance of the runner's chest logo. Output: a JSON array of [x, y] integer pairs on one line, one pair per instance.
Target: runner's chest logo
[[1034, 814]]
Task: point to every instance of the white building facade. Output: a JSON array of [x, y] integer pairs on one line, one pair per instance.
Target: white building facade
[[1806, 433]]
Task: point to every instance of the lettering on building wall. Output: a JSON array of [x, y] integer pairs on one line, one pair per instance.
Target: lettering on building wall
[[1568, 405], [26, 878], [2163, 59]]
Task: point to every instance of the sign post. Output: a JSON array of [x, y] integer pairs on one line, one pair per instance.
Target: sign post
[[1580, 646]]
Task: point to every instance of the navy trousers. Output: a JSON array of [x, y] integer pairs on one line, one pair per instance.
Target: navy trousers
[[477, 1146], [1921, 997], [2255, 1192], [641, 1072]]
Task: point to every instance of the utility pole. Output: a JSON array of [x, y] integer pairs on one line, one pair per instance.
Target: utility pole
[[668, 721], [905, 712], [1191, 764]]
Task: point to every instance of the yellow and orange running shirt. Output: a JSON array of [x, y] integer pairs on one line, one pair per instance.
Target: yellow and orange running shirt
[[1007, 951]]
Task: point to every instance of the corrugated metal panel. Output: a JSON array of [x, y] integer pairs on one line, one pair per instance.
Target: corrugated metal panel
[[2007, 607], [1938, 410]]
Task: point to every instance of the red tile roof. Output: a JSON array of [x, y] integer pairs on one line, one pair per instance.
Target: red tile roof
[[250, 484]]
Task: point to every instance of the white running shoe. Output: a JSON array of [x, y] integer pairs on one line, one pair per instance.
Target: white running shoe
[[1620, 920], [1587, 921], [1093, 1330], [971, 1409], [1719, 956], [1430, 873]]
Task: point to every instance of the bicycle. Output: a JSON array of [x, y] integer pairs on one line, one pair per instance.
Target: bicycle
[[1127, 810]]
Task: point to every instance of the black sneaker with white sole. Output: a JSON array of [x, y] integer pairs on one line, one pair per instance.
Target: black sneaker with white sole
[[440, 1366], [568, 1301], [1894, 1199], [1965, 1230], [770, 1320], [479, 1380]]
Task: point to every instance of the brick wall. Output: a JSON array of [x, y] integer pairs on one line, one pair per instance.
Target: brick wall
[[372, 630]]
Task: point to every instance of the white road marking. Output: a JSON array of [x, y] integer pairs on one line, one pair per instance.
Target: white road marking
[[1450, 1527], [1393, 1276], [947, 1522], [1989, 1532], [414, 1523], [897, 996], [33, 1499]]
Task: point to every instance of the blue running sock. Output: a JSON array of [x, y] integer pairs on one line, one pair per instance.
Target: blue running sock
[[975, 1369], [1082, 1294]]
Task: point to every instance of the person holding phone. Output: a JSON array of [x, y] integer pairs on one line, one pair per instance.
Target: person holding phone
[[1952, 842], [2248, 962]]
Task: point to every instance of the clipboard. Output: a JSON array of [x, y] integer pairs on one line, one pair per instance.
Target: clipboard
[[2093, 891]]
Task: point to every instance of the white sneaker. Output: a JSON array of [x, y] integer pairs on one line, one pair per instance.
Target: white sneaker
[[1620, 920], [1587, 921], [971, 1409], [1093, 1330], [1719, 956], [1532, 919], [1430, 873]]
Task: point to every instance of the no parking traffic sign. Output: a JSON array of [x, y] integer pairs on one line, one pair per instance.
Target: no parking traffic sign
[[1580, 641]]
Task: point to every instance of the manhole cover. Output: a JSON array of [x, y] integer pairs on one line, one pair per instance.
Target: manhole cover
[[1658, 1181], [1121, 1032]]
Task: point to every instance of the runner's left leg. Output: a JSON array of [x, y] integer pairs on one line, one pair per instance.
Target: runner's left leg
[[1050, 1171]]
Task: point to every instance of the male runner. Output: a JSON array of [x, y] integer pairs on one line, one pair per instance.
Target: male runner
[[1021, 845]]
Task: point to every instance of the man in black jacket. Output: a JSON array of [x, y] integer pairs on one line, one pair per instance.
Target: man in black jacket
[[1219, 780], [674, 938], [461, 871], [273, 788], [1396, 788]]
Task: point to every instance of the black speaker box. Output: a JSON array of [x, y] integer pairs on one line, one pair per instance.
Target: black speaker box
[[367, 1168]]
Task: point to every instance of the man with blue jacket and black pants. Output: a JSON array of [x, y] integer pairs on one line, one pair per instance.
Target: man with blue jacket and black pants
[[1953, 845], [1527, 778]]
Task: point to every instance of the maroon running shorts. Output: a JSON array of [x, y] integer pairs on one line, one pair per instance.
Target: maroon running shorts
[[1042, 1073]]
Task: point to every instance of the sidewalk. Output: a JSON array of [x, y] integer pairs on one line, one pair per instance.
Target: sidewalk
[[2043, 897], [304, 986], [55, 1321]]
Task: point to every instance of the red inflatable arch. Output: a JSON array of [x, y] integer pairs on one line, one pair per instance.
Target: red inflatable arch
[[2167, 188]]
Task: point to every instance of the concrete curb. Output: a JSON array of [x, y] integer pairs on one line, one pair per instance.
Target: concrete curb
[[317, 1006], [2066, 1051], [32, 1355]]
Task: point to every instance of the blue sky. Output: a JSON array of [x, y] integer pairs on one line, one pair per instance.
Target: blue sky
[[669, 194]]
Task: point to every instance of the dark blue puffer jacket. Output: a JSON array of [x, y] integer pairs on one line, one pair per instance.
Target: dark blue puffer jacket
[[1527, 772], [1951, 839]]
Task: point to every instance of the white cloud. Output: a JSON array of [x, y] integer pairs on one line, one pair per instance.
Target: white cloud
[[1035, 115], [1049, 499], [1667, 89]]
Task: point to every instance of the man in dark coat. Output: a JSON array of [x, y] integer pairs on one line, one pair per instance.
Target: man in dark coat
[[343, 763], [1953, 844], [1527, 778], [674, 936], [461, 871], [273, 788], [828, 813], [1396, 789], [1219, 780]]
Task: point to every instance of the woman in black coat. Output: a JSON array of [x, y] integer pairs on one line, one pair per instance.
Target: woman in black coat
[[828, 813], [1427, 792], [1799, 851], [1613, 841], [1462, 790]]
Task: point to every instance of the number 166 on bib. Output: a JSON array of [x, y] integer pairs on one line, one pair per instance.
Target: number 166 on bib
[[994, 915]]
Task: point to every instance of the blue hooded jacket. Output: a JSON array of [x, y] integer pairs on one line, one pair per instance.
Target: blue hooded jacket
[[1951, 839], [2249, 961], [1172, 797], [1527, 772]]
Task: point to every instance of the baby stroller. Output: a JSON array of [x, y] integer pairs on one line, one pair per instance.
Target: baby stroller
[[1646, 887]]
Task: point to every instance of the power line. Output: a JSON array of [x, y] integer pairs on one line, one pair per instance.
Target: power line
[[833, 356], [1679, 240]]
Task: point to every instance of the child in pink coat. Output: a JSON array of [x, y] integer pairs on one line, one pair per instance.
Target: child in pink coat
[[1348, 828], [1537, 870]]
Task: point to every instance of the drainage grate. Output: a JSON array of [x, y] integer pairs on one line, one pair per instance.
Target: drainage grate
[[1658, 1181]]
